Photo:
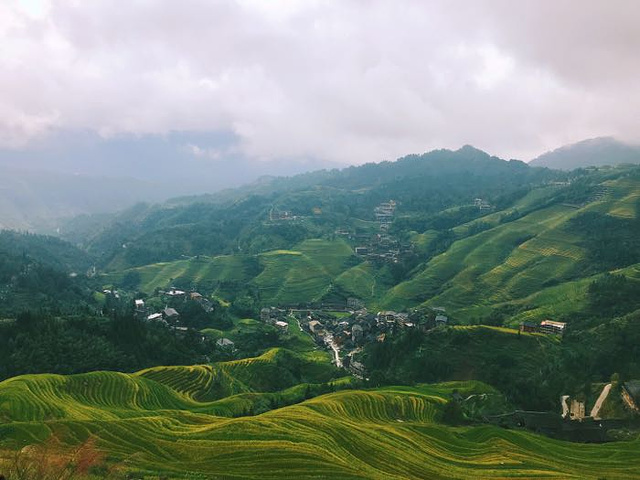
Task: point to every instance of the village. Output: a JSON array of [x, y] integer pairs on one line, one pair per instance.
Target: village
[[346, 332]]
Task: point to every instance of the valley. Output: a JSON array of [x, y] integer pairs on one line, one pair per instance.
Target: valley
[[444, 311]]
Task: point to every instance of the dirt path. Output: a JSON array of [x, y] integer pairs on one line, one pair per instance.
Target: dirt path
[[598, 405]]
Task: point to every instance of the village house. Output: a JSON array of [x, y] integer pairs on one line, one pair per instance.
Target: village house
[[173, 292], [528, 327], [551, 327], [481, 204], [387, 316], [154, 317], [441, 320], [170, 313], [354, 303], [265, 315], [357, 368], [282, 325], [315, 327], [225, 343], [357, 333], [631, 394]]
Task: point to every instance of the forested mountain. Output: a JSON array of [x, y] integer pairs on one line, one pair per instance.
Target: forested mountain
[[235, 221], [589, 153]]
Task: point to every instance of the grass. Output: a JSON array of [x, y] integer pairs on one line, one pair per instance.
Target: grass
[[162, 421]]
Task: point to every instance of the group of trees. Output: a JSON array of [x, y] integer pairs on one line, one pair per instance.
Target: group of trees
[[39, 343], [533, 372]]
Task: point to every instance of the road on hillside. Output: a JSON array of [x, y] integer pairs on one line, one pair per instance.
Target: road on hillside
[[336, 351], [598, 405]]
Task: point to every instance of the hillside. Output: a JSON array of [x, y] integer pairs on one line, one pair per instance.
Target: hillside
[[317, 203], [41, 273], [165, 422], [538, 264], [535, 256], [595, 152]]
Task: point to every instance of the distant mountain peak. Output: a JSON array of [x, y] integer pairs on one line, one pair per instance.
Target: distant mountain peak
[[588, 153]]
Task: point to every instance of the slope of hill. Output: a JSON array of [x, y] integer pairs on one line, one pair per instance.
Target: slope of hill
[[539, 263], [534, 258], [394, 432], [36, 273], [589, 153]]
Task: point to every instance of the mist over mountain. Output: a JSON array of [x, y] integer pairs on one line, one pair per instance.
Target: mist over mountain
[[589, 153], [74, 173]]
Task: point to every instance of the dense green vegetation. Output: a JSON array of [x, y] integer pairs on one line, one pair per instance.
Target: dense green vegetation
[[532, 370], [236, 221], [36, 343], [38, 272]]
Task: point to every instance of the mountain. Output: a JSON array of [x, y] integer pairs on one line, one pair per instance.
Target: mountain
[[589, 153], [323, 201], [493, 243]]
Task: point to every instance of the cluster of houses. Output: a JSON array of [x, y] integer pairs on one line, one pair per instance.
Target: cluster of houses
[[381, 247], [548, 327], [169, 315], [276, 215], [384, 214], [481, 204], [348, 334], [274, 316]]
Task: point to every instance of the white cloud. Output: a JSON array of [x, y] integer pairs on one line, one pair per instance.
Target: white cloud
[[348, 81]]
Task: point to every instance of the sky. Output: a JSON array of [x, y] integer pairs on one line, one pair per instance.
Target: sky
[[344, 81]]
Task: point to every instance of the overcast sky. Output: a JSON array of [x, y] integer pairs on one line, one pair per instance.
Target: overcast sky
[[343, 81]]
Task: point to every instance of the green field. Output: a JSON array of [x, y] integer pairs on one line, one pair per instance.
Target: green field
[[177, 421]]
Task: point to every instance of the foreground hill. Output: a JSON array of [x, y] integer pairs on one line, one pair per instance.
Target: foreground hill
[[163, 421], [589, 153]]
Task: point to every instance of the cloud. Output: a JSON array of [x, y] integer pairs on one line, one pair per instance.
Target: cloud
[[348, 81]]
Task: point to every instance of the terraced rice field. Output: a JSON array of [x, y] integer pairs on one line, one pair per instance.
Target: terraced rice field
[[304, 274], [154, 423], [533, 258], [160, 275]]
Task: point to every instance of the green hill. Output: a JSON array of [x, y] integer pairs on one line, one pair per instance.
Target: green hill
[[160, 422], [533, 259], [537, 265]]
